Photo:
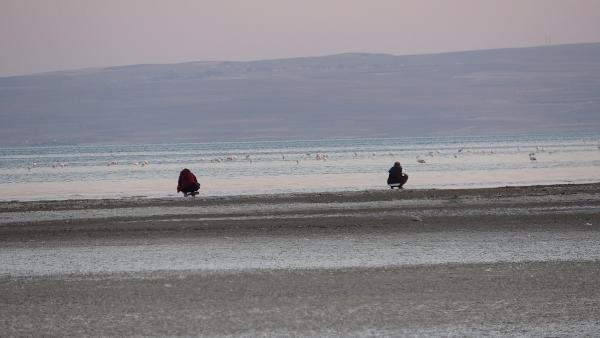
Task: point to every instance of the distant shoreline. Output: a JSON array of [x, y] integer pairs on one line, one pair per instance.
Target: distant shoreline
[[285, 96], [323, 197], [285, 139]]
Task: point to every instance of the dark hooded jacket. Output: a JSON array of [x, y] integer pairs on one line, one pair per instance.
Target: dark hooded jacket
[[395, 174], [187, 181]]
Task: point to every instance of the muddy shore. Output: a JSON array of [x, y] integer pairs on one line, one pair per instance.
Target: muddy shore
[[501, 261], [410, 210]]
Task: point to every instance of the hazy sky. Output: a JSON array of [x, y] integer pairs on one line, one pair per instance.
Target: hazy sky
[[44, 35]]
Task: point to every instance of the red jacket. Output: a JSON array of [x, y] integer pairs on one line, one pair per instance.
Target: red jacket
[[186, 180]]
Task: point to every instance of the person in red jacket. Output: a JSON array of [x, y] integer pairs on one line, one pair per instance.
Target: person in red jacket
[[188, 184]]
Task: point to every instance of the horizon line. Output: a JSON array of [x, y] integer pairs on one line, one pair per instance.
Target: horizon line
[[67, 70]]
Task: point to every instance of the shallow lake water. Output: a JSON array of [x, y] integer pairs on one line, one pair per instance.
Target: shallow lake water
[[101, 171]]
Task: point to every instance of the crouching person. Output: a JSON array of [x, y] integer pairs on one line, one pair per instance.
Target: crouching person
[[396, 178], [188, 184]]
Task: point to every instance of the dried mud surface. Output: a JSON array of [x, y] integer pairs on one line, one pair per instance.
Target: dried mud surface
[[554, 293]]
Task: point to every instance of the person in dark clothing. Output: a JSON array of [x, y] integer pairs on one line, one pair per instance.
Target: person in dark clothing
[[188, 184], [396, 177]]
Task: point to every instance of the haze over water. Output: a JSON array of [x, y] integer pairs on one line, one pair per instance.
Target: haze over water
[[151, 170]]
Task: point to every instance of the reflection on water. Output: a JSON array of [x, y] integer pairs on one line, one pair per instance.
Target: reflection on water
[[296, 166]]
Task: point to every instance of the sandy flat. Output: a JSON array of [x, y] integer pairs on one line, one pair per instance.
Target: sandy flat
[[502, 261]]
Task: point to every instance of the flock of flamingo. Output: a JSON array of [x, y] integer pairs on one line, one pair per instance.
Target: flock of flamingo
[[319, 156]]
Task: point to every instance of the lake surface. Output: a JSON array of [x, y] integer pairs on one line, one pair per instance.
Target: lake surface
[[233, 168]]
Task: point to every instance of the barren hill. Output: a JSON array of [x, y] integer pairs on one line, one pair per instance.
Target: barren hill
[[540, 89]]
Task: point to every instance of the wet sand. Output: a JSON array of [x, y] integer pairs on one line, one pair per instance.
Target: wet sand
[[502, 261]]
